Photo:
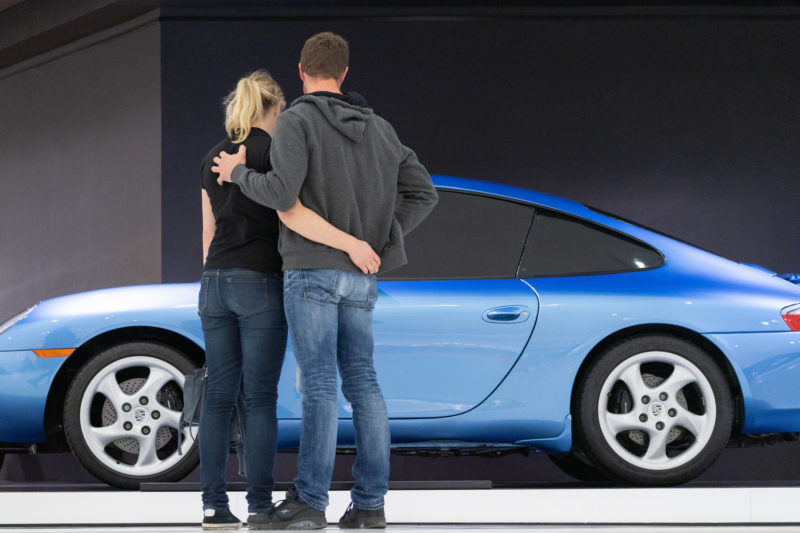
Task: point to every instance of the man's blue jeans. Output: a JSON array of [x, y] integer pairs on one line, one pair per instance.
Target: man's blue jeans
[[245, 332], [330, 321]]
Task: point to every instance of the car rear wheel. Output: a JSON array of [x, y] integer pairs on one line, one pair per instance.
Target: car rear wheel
[[121, 415], [653, 410]]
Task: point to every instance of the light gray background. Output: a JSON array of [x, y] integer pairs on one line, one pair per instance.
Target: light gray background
[[80, 171]]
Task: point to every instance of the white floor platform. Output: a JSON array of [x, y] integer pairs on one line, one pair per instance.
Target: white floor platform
[[455, 529], [450, 529], [737, 509]]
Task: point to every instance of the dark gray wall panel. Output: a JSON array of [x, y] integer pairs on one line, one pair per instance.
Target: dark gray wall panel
[[80, 155]]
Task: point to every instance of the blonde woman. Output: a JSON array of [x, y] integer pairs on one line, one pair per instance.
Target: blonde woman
[[241, 301]]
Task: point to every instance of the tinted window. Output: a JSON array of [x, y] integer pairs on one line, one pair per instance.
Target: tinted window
[[559, 245], [466, 236]]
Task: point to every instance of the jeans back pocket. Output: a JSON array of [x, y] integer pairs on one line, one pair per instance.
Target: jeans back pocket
[[320, 284], [248, 295]]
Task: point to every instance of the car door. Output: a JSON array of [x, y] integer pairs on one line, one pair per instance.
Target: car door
[[450, 324], [441, 347]]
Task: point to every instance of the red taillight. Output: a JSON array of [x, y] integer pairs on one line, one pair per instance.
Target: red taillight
[[791, 315]]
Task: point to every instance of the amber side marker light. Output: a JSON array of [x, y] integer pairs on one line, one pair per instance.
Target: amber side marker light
[[791, 315], [60, 352]]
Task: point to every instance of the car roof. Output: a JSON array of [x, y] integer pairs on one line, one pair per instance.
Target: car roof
[[555, 203], [511, 192]]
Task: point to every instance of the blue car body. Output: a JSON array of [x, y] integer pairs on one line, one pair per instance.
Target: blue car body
[[450, 372]]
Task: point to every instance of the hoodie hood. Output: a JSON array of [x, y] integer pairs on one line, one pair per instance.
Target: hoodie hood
[[347, 113]]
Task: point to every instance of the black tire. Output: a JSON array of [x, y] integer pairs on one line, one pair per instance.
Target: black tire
[[640, 437], [137, 418], [575, 465]]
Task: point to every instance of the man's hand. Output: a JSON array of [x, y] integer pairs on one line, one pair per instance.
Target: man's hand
[[225, 163], [364, 257]]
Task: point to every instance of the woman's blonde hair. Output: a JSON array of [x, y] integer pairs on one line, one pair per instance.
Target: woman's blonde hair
[[254, 94]]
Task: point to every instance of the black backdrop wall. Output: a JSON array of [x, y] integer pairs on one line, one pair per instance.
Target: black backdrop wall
[[688, 124], [687, 120]]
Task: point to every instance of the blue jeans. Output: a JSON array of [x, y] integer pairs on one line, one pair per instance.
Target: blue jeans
[[245, 332], [330, 320]]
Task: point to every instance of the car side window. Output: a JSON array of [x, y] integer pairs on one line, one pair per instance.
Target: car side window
[[562, 245], [467, 236]]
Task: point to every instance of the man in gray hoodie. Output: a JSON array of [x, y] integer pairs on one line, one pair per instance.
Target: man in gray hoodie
[[343, 161]]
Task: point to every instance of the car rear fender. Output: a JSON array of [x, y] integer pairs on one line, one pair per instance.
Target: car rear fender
[[732, 373]]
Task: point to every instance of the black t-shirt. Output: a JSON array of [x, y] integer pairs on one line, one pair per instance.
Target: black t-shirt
[[247, 232]]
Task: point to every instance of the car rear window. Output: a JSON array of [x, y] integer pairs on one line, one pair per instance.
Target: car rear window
[[562, 245]]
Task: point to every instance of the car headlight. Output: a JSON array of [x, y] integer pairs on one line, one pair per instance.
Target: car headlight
[[14, 319]]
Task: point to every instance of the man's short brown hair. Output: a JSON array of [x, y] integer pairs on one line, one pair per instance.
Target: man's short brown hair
[[325, 55]]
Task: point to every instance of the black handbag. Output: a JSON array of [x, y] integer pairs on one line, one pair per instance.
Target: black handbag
[[194, 398]]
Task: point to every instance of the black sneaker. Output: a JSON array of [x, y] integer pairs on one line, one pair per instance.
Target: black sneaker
[[355, 518], [254, 520], [259, 517], [220, 519], [291, 513]]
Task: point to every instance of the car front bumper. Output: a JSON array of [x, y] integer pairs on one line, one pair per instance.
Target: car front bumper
[[25, 381]]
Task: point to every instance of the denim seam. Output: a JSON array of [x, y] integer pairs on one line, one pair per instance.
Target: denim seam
[[360, 305], [312, 504], [219, 293], [203, 295], [368, 507]]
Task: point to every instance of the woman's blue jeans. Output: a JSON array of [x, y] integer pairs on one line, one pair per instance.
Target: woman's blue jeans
[[330, 320], [245, 333]]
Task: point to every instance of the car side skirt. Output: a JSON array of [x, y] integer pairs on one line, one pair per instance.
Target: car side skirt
[[457, 432]]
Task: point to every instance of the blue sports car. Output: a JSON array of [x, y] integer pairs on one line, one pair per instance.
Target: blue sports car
[[522, 320]]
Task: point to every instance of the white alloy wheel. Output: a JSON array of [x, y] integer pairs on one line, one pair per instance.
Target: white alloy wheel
[[661, 412], [121, 415], [135, 418], [653, 410]]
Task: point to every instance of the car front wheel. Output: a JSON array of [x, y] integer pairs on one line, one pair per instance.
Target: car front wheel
[[121, 415], [653, 410]]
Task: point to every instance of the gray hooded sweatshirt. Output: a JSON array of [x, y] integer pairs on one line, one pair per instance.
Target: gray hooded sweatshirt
[[345, 163]]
